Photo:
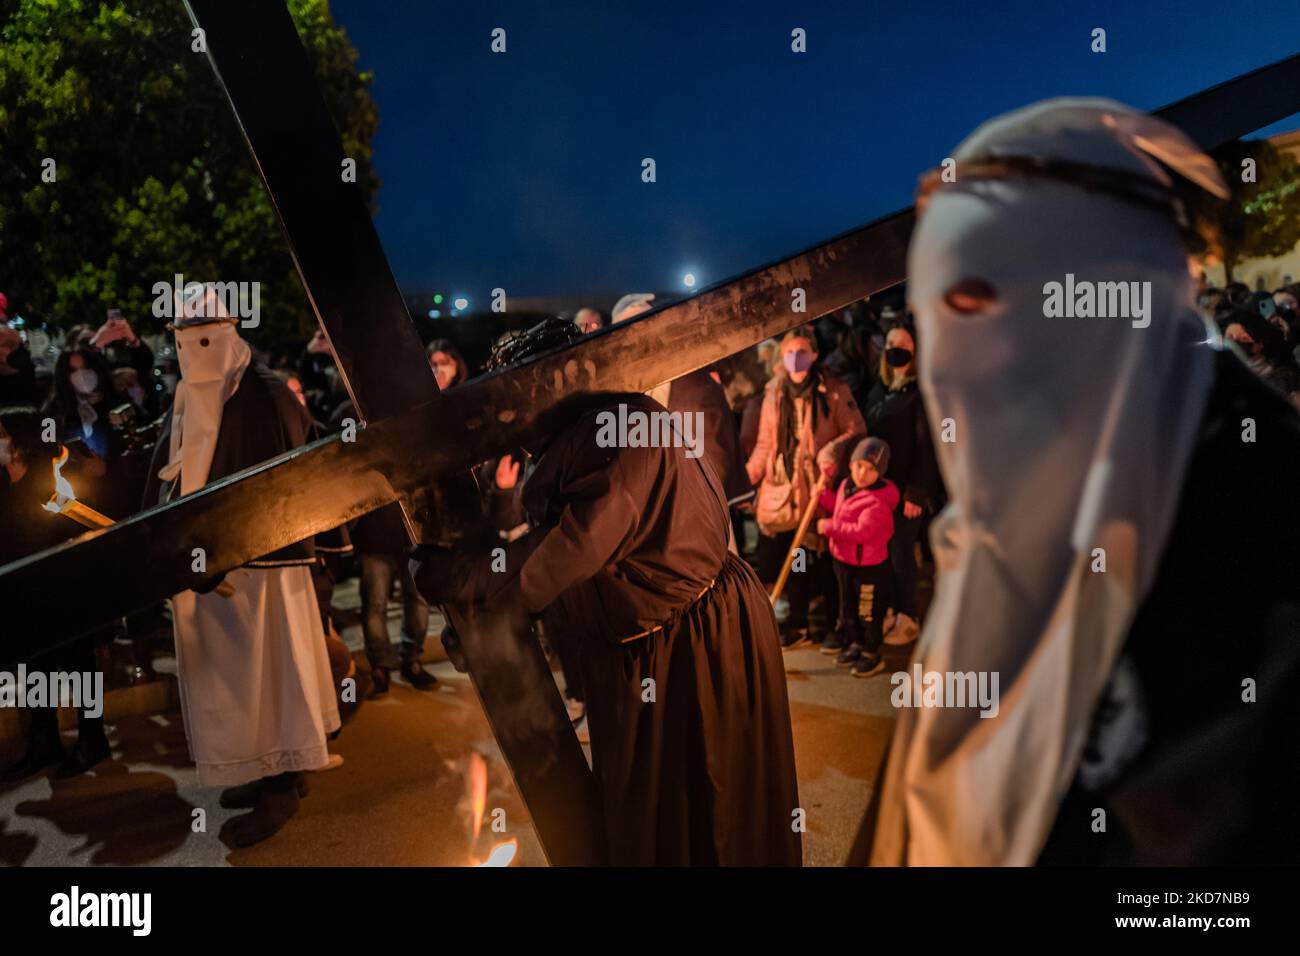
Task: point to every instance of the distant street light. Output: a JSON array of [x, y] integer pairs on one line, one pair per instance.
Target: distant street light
[[689, 280], [461, 303]]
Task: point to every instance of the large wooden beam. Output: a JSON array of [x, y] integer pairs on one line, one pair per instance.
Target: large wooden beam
[[314, 488], [265, 72], [105, 574]]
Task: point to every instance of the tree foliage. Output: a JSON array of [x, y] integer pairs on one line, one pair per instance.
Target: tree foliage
[[153, 176], [1262, 215]]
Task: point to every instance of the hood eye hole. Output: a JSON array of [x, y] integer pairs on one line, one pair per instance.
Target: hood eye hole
[[970, 295], [203, 342]]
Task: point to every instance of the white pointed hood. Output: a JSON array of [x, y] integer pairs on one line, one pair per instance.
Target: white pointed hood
[[1069, 435], [212, 359]]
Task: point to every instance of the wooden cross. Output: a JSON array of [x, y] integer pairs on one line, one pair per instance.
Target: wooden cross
[[419, 445]]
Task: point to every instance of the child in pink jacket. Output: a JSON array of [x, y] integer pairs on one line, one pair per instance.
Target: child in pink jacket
[[859, 529]]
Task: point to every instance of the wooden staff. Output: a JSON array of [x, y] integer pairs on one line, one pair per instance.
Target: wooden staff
[[798, 539]]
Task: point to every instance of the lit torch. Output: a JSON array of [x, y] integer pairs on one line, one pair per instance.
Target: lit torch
[[64, 500]]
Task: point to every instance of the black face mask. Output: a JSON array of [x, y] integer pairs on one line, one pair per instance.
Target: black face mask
[[898, 357]]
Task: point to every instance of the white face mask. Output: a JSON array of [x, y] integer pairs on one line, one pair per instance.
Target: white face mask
[[209, 353], [84, 380], [213, 359], [6, 451]]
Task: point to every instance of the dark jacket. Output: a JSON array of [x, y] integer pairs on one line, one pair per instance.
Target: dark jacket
[[1217, 780], [20, 387], [899, 418], [25, 526], [698, 392], [104, 441], [139, 357], [261, 421]]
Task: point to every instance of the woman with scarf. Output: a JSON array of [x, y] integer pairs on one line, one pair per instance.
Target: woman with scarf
[[896, 413], [804, 408]]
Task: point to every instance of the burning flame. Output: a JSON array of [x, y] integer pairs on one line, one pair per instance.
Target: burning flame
[[64, 501], [63, 492], [502, 854], [474, 805], [476, 784]]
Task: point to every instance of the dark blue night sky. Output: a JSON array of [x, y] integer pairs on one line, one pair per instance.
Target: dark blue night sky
[[523, 170]]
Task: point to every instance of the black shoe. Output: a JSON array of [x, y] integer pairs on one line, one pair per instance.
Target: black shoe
[[833, 644], [277, 802], [417, 676], [868, 664], [244, 796], [85, 753], [379, 681], [849, 654], [792, 637]]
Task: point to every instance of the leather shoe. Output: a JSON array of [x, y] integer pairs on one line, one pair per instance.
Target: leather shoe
[[417, 676]]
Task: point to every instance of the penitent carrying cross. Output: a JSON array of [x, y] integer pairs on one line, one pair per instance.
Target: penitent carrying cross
[[419, 445]]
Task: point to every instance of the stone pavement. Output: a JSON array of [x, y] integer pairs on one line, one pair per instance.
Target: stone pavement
[[400, 797]]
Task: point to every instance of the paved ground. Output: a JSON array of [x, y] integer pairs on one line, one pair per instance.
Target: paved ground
[[399, 798]]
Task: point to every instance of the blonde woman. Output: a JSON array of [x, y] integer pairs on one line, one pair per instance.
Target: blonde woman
[[804, 409]]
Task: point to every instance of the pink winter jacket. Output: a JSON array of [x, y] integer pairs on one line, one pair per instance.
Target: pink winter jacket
[[861, 524]]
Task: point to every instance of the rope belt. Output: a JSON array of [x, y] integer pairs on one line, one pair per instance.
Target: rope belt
[[654, 630]]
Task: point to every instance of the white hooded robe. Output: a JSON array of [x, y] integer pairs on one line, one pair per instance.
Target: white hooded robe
[[256, 689]]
